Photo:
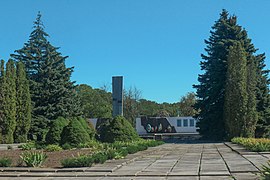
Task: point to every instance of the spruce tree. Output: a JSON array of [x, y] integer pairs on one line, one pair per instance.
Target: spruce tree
[[236, 97], [52, 91], [211, 88], [9, 103], [23, 100]]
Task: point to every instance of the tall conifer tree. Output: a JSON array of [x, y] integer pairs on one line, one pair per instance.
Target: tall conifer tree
[[23, 100], [263, 97], [2, 91], [252, 113], [236, 97], [9, 103], [211, 90], [52, 91]]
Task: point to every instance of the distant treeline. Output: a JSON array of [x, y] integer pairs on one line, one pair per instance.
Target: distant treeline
[[97, 103]]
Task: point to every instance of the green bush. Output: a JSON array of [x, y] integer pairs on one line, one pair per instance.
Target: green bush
[[114, 150], [118, 129], [100, 157], [27, 146], [66, 146], [33, 159], [40, 145], [53, 147], [55, 131], [85, 160], [80, 161], [5, 162], [74, 134], [87, 126], [131, 149]]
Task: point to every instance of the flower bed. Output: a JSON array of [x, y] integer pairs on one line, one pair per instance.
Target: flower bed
[[53, 156], [253, 144], [116, 150]]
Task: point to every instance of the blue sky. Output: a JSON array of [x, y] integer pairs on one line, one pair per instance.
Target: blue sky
[[154, 44]]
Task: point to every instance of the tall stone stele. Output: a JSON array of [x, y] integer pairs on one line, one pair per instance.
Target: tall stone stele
[[117, 95]]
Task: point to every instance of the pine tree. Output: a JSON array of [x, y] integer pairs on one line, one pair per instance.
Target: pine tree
[[236, 96], [23, 113], [9, 103], [52, 92]]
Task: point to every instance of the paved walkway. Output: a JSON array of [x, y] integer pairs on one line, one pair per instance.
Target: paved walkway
[[200, 161]]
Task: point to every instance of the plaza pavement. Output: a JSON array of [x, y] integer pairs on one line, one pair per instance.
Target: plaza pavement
[[173, 161]]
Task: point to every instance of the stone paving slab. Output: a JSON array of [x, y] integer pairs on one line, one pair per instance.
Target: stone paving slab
[[168, 161], [216, 178], [257, 160], [215, 173], [184, 178], [245, 176], [131, 178], [183, 173]]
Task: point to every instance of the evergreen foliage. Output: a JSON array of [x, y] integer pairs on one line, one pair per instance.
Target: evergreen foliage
[[263, 98], [118, 129], [87, 126], [2, 91], [52, 93], [55, 131], [39, 128], [74, 133], [252, 113], [236, 97], [23, 106], [211, 88], [9, 103]]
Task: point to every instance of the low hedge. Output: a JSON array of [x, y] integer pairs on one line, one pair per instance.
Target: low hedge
[[5, 162], [80, 161], [253, 144], [114, 150]]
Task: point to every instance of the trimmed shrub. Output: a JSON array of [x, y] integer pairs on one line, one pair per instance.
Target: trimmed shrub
[[33, 159], [66, 146], [54, 134], [53, 147], [100, 157], [132, 149], [87, 126], [80, 161], [5, 162], [118, 129], [74, 134], [115, 150]]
